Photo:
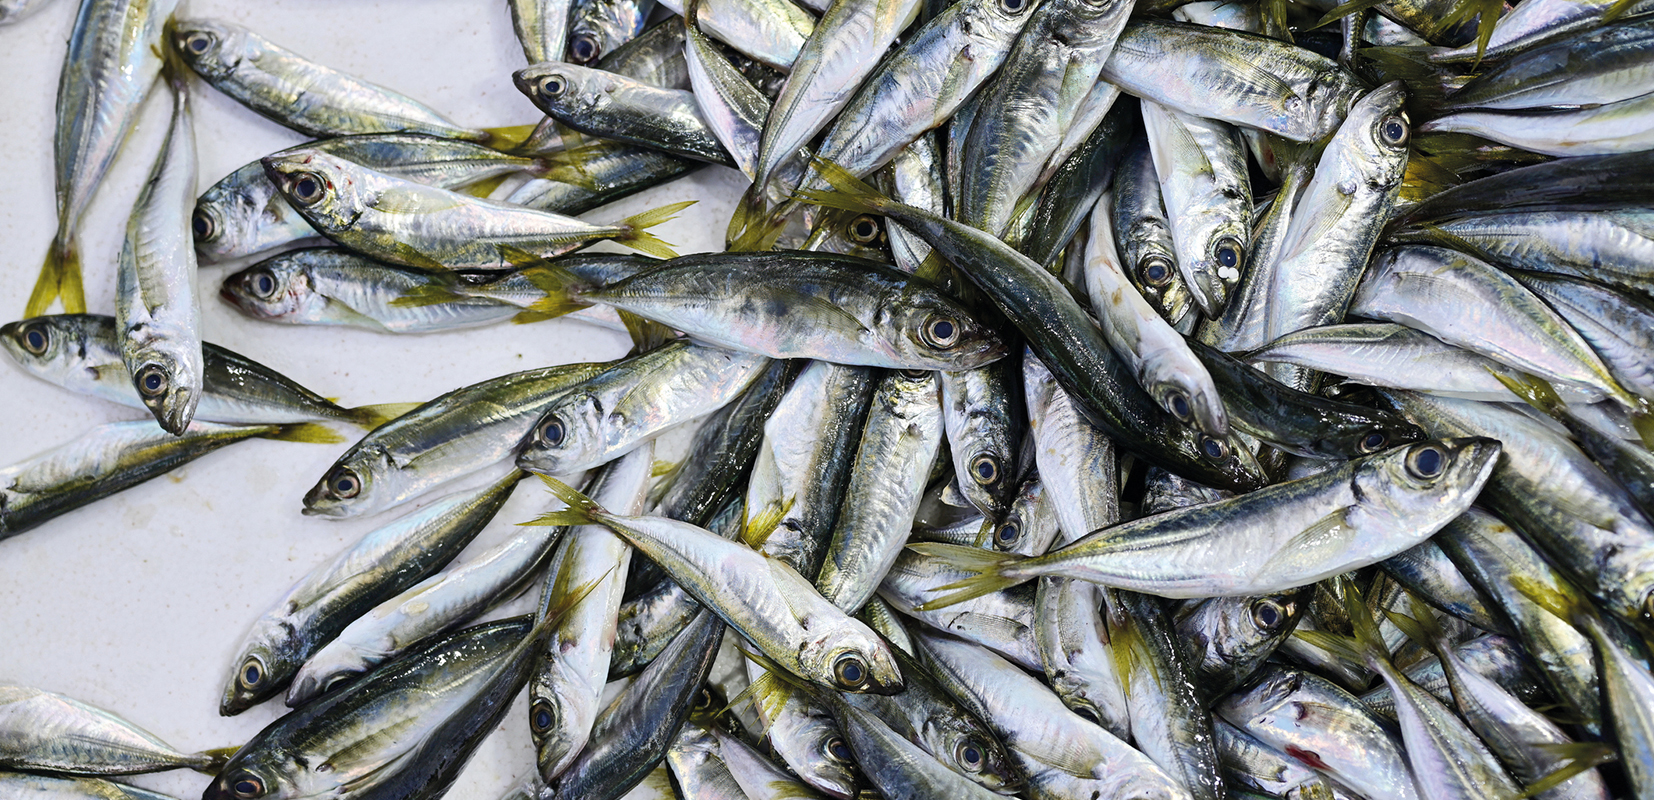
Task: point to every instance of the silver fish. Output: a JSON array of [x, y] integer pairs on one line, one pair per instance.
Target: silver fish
[[1203, 182], [46, 731]]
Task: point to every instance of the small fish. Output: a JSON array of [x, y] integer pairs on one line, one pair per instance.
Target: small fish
[[50, 732]]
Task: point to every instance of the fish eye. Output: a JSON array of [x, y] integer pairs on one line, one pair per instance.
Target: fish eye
[[1267, 615], [1155, 271], [1178, 404], [1374, 442], [198, 42], [344, 484], [1085, 713], [985, 470], [152, 380], [585, 48], [850, 672], [1213, 448], [35, 338], [247, 786], [307, 188], [541, 717], [837, 750], [969, 755], [261, 283], [941, 331], [1227, 254], [553, 85], [1426, 461], [203, 225], [1013, 6], [864, 229], [251, 674], [1008, 534], [915, 374], [552, 432], [1392, 131]]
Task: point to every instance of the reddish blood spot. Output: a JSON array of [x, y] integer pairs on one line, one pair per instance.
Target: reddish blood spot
[[1309, 757]]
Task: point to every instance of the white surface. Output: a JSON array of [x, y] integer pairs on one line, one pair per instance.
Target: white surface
[[136, 603]]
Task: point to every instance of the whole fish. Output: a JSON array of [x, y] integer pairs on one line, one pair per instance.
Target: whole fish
[[767, 601], [46, 731], [157, 317], [410, 223], [1208, 199], [979, 416], [615, 107], [114, 57], [41, 787], [308, 97], [79, 353], [377, 567], [456, 434], [633, 401], [1608, 245], [117, 456], [796, 304]]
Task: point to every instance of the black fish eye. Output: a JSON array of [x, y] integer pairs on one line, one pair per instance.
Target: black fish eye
[[941, 331], [585, 48], [970, 755], [308, 188], [1374, 442], [1155, 271], [1008, 534], [1267, 615], [838, 750], [1228, 254], [552, 432], [344, 484], [262, 283], [202, 225], [152, 380], [1213, 449], [1393, 131], [1426, 461], [198, 42], [35, 339], [252, 673], [1178, 403], [850, 672], [985, 470], [247, 787], [540, 717], [552, 85], [864, 229], [1013, 6]]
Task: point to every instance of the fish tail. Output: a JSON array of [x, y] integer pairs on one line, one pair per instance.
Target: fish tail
[[1424, 629], [1550, 599], [1575, 757], [370, 417], [748, 211], [560, 286], [1537, 391], [426, 294], [760, 525], [1366, 647], [307, 432], [62, 258], [507, 138], [763, 229], [582, 510], [638, 237], [1345, 9], [211, 761], [1643, 422], [646, 334], [1614, 11], [849, 192], [995, 572]]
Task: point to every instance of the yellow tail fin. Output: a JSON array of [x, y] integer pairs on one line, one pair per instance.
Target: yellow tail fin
[[370, 417], [307, 432], [990, 567], [638, 238], [59, 279]]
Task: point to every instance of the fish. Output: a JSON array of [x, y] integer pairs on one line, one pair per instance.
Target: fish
[[42, 787], [1208, 200], [542, 28], [114, 58], [50, 732], [599, 28], [621, 109]]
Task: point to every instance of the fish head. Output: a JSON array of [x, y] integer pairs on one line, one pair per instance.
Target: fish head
[[1391, 430], [975, 754], [228, 216], [1030, 523], [265, 663], [168, 377], [1270, 701], [58, 343], [1233, 465], [1383, 135], [1424, 485], [561, 89], [275, 289], [1236, 630], [937, 333], [568, 437], [851, 658], [348, 488], [213, 49], [323, 188], [1213, 273], [1326, 102]]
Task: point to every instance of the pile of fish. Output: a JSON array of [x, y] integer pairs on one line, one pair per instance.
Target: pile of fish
[[1094, 400]]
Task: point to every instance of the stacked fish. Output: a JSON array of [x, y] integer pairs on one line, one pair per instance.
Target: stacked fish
[[1086, 405]]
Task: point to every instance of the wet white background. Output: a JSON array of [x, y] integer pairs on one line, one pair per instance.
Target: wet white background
[[137, 603]]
